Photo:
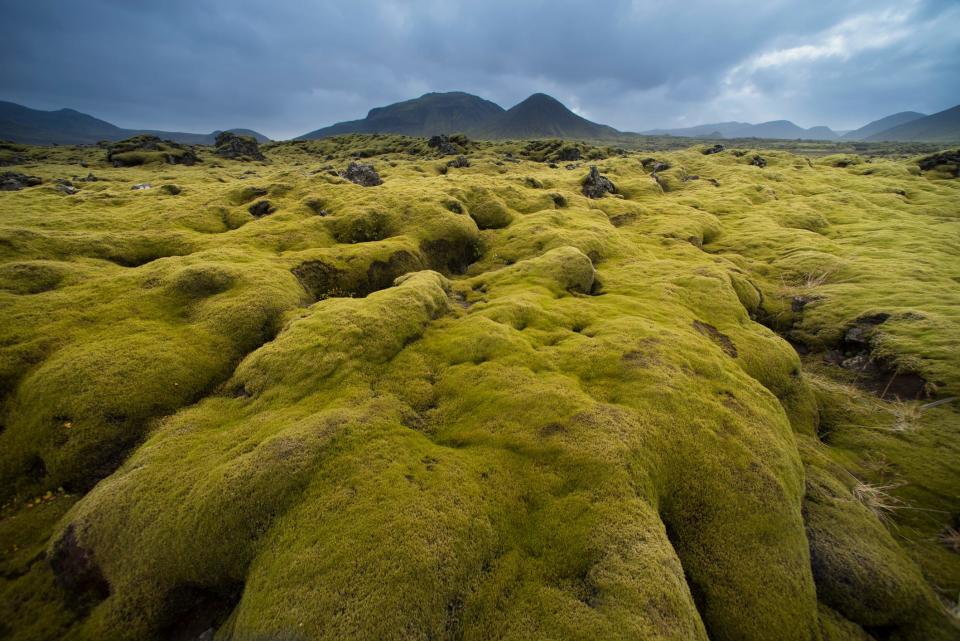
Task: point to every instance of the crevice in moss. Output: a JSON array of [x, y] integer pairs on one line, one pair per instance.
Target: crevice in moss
[[192, 612]]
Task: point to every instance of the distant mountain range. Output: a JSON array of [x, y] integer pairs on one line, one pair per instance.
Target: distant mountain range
[[943, 126], [539, 116], [879, 126], [68, 127], [774, 129]]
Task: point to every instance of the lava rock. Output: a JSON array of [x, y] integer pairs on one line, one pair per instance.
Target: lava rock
[[569, 154], [596, 185], [459, 162], [231, 145], [261, 208], [943, 158], [75, 567], [360, 174], [11, 181], [758, 161], [442, 144], [654, 165], [64, 186], [716, 149]]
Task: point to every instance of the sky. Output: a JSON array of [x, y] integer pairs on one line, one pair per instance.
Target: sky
[[287, 67]]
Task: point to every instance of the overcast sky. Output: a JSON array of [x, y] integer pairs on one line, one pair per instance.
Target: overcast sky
[[285, 67]]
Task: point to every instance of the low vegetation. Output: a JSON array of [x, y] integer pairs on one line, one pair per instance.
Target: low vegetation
[[466, 401]]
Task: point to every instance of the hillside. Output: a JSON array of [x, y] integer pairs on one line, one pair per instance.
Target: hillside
[[943, 126], [255, 400], [539, 116], [23, 125], [427, 115], [882, 124]]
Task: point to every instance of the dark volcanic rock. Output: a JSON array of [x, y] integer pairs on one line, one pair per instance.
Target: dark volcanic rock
[[64, 186], [230, 145], [716, 149], [75, 568], [758, 161], [597, 185], [654, 165], [442, 144], [11, 181], [363, 175], [939, 160], [569, 154], [459, 162], [261, 208]]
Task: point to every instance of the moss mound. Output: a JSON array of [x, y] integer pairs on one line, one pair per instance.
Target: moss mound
[[480, 404]]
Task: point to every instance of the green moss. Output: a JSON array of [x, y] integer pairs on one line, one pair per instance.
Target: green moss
[[477, 404]]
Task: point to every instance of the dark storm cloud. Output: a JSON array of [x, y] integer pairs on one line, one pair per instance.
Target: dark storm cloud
[[288, 67]]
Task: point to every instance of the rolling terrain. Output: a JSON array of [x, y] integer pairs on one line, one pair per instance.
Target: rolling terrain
[[23, 125], [493, 394]]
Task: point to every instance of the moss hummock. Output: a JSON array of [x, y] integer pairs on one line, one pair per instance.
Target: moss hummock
[[478, 404]]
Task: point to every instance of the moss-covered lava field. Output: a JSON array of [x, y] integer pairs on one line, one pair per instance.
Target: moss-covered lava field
[[252, 400]]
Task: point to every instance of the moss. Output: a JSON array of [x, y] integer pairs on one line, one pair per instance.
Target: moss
[[859, 569], [464, 406]]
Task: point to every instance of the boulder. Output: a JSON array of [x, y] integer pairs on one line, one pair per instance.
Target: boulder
[[758, 161], [716, 149], [654, 165], [360, 174], [596, 185], [11, 181], [442, 144], [64, 186], [569, 154], [231, 145]]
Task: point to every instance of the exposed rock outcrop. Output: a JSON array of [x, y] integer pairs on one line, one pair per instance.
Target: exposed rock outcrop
[[230, 145], [597, 185], [360, 174], [11, 181]]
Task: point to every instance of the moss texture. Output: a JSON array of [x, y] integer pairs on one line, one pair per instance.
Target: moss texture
[[477, 404]]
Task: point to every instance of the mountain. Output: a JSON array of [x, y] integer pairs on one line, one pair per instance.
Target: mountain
[[539, 116], [783, 129], [429, 114], [716, 130], [24, 125], [943, 126], [70, 127], [883, 124]]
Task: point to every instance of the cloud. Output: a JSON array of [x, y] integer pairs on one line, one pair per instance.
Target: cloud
[[287, 67]]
